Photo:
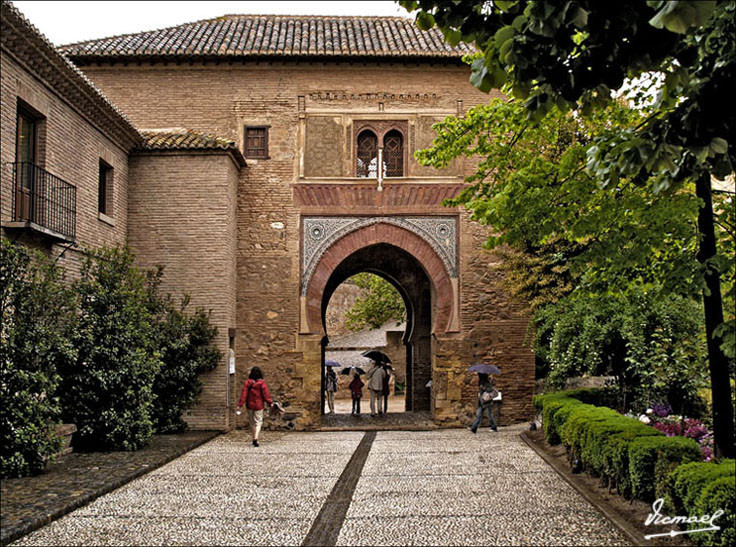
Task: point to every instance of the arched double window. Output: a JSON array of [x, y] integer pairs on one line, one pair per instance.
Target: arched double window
[[390, 148]]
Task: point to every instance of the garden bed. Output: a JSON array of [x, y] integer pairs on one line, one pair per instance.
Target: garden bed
[[627, 515]]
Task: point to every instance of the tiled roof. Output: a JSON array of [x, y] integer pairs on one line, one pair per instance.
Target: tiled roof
[[276, 36], [24, 42], [185, 139]]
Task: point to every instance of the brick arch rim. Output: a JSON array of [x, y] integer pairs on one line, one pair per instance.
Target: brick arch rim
[[407, 241]]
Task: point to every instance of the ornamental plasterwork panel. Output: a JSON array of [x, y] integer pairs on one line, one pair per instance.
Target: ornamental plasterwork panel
[[320, 233]]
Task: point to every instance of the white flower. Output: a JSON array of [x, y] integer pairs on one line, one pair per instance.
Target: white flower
[[644, 419], [649, 411]]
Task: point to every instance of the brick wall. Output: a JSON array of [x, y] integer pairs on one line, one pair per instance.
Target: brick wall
[[70, 147], [221, 99], [182, 216]]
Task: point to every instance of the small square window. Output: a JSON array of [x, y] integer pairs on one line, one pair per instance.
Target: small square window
[[256, 142], [104, 189]]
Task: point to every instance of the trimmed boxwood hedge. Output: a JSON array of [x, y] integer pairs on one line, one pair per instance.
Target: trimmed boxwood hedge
[[641, 462], [702, 488], [623, 451]]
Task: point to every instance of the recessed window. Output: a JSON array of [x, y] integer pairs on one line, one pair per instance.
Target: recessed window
[[26, 143], [393, 154], [27, 191], [379, 148], [256, 142], [104, 189], [367, 156]]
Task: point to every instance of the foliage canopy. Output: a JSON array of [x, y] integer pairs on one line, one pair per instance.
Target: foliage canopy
[[378, 303]]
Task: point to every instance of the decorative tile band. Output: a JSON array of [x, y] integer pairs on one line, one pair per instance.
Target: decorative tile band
[[320, 233]]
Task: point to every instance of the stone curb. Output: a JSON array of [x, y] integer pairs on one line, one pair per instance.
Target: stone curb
[[8, 536], [622, 525]]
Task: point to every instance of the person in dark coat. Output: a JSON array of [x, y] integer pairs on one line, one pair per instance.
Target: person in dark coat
[[255, 393], [485, 403], [356, 392]]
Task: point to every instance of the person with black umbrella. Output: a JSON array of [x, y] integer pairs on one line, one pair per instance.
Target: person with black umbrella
[[375, 386]]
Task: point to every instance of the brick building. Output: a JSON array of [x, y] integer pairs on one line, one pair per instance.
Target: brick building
[[265, 161]]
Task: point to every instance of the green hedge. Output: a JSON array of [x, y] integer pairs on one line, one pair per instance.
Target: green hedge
[[651, 459], [702, 488], [623, 451]]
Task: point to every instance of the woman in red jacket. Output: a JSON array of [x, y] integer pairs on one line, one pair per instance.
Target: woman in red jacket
[[254, 394]]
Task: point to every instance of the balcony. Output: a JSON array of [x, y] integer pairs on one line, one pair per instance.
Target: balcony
[[43, 203]]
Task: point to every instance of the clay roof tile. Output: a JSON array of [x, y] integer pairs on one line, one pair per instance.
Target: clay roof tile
[[276, 35]]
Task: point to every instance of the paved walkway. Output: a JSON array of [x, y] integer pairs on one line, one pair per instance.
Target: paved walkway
[[445, 487], [77, 478]]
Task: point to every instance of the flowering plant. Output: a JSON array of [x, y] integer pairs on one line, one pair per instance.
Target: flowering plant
[[672, 425]]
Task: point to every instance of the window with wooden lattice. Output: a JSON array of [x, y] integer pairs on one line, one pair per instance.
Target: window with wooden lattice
[[393, 154], [256, 142], [367, 155]]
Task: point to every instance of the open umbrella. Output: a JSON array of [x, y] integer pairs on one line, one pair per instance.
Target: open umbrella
[[352, 370], [485, 369], [330, 363], [377, 356]]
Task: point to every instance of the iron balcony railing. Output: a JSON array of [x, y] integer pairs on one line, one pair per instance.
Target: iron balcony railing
[[44, 199]]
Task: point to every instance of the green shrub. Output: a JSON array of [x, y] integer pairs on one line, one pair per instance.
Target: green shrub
[[625, 452], [702, 488], [34, 336], [579, 420], [718, 495], [107, 391], [186, 351], [686, 482], [554, 416], [651, 459]]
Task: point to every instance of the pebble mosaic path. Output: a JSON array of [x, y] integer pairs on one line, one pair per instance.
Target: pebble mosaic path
[[445, 487]]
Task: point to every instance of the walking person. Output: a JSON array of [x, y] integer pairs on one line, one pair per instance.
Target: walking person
[[255, 393], [386, 391], [486, 394], [375, 386], [356, 392], [330, 387]]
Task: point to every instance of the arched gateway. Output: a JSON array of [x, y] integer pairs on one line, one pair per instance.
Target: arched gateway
[[417, 255]]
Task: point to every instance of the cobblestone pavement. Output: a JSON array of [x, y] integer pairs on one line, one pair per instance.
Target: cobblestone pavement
[[77, 478], [446, 487]]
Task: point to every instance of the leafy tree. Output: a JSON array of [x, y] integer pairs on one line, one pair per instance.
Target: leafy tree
[[572, 54], [536, 276], [35, 324], [185, 345], [651, 342], [107, 391], [378, 302], [531, 185]]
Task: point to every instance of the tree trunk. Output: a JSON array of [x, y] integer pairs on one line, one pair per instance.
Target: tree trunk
[[723, 424]]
